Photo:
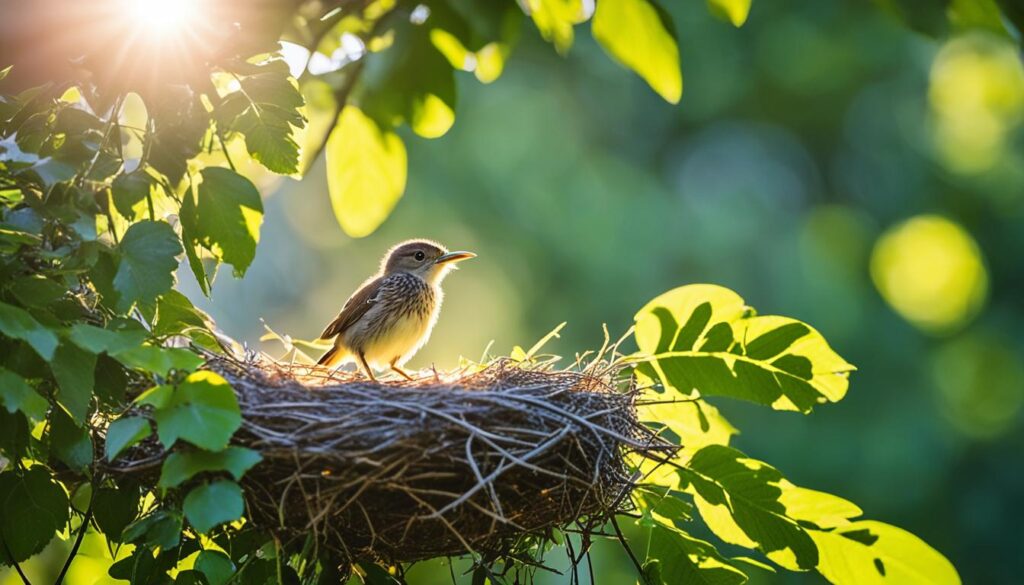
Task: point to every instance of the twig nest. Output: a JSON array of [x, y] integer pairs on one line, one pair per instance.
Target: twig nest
[[407, 471]]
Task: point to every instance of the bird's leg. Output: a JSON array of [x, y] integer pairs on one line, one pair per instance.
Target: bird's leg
[[400, 371], [364, 366]]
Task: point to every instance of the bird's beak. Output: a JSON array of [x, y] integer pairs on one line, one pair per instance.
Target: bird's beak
[[454, 257]]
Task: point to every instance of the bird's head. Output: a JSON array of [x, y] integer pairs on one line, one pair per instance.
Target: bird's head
[[428, 260]]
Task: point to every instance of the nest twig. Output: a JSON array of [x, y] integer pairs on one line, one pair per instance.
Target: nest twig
[[444, 466]]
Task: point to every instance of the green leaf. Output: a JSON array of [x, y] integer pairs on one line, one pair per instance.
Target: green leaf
[[175, 314], [5, 71], [739, 500], [160, 528], [190, 239], [867, 552], [111, 341], [212, 504], [694, 421], [684, 559], [16, 394], [17, 323], [659, 506], [638, 34], [36, 290], [703, 337], [366, 172], [125, 432], [215, 566], [203, 410], [555, 19], [270, 141], [149, 251], [229, 213], [735, 11], [71, 443], [33, 507], [181, 466], [74, 368], [129, 189], [50, 171], [159, 360], [114, 509]]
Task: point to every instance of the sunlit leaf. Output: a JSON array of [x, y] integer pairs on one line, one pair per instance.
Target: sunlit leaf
[[212, 504], [735, 11], [638, 34], [867, 552], [694, 421], [229, 213], [33, 507], [202, 410], [17, 323], [149, 251], [739, 500], [181, 466], [555, 20], [125, 432], [819, 508], [366, 172], [704, 338]]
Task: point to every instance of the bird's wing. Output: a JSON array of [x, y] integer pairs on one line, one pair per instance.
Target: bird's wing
[[355, 307]]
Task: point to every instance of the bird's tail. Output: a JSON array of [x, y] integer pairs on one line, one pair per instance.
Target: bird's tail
[[331, 357]]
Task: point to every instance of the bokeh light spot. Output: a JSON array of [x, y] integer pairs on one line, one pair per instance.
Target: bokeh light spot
[[981, 385], [931, 272], [977, 98]]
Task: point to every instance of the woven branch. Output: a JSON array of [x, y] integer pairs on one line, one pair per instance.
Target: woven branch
[[466, 463]]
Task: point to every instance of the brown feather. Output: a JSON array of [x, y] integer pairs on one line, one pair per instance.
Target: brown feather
[[355, 307]]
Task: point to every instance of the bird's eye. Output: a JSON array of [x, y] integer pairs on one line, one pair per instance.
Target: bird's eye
[[419, 256]]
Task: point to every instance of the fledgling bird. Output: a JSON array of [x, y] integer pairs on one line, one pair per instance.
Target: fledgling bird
[[391, 315]]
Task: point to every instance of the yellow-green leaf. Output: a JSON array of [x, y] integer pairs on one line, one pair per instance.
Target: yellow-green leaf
[[820, 508], [637, 34], [703, 338], [873, 553], [555, 19], [366, 171], [735, 11], [694, 421]]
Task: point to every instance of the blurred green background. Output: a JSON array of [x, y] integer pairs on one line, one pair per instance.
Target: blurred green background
[[825, 162]]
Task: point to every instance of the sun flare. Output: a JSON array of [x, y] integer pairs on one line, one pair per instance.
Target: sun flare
[[161, 17]]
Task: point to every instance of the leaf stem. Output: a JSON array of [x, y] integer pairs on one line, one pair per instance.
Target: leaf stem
[[629, 551], [74, 548], [17, 567]]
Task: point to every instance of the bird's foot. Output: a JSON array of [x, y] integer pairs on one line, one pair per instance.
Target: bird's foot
[[401, 372]]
